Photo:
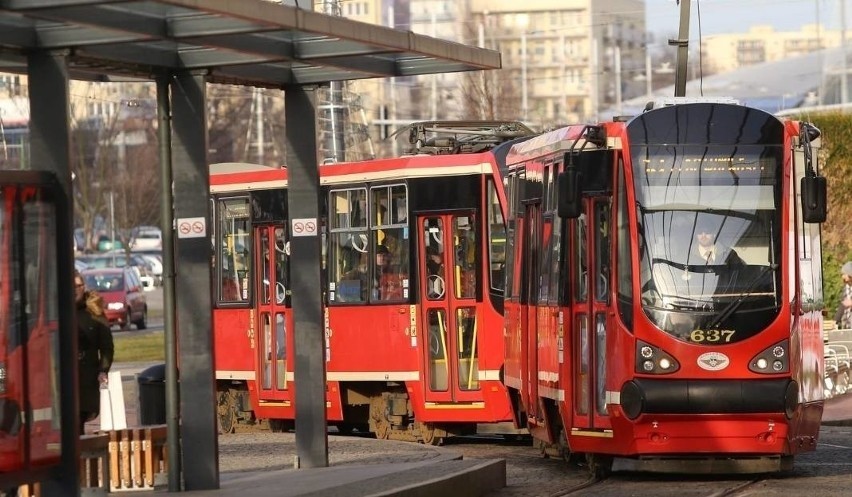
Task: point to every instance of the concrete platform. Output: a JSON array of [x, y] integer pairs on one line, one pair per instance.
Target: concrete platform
[[838, 410], [445, 476]]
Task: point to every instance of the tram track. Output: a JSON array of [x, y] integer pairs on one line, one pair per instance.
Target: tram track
[[737, 490], [741, 489], [591, 482]]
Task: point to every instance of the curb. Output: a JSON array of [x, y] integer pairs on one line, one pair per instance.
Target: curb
[[481, 479]]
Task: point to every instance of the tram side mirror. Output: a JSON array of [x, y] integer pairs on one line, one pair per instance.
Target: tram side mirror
[[814, 204], [568, 196]]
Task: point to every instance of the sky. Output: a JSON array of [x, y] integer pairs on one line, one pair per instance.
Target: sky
[[734, 16]]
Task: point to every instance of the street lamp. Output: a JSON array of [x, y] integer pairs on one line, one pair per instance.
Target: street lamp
[[523, 22], [524, 90]]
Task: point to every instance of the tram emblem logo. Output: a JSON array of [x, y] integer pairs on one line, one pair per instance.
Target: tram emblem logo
[[713, 361]]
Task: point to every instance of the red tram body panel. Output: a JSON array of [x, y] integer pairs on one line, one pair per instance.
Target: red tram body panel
[[414, 249], [664, 290], [30, 422]]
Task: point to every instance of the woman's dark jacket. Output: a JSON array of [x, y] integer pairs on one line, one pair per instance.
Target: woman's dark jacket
[[95, 350]]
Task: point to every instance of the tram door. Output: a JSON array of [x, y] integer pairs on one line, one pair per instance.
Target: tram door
[[590, 260], [448, 260], [531, 258], [273, 320]]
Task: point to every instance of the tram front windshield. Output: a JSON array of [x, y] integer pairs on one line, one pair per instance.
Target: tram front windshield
[[709, 239]]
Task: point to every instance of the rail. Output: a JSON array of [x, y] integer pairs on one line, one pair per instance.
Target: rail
[[838, 360]]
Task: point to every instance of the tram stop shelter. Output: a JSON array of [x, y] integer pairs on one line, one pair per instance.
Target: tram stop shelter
[[182, 45]]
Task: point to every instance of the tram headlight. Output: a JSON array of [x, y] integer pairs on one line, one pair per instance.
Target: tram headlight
[[774, 356], [653, 360]]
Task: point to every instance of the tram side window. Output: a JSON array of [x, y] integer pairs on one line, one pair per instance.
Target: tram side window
[[513, 276], [581, 272], [233, 237], [464, 260], [348, 246], [624, 289], [602, 252], [496, 240], [389, 225], [554, 249]]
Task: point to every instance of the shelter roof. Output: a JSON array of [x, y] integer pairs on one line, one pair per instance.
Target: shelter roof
[[252, 42]]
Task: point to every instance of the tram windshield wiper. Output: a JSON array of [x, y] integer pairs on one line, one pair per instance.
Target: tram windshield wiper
[[734, 304]]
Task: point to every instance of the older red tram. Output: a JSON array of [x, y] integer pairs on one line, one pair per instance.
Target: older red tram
[[414, 249], [30, 421], [664, 289]]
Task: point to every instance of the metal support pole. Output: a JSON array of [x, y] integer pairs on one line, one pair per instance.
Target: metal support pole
[[303, 203], [524, 89], [164, 132], [50, 139], [844, 84], [682, 44], [649, 87], [193, 253]]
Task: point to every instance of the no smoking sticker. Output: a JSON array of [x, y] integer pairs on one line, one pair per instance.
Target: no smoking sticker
[[306, 226], [191, 227]]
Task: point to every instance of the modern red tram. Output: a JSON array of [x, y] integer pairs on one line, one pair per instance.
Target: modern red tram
[[626, 341], [414, 249], [29, 323]]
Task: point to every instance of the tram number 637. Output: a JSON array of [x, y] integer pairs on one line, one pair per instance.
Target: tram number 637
[[701, 336]]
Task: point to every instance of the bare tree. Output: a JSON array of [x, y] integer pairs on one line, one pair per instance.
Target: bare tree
[[114, 154], [236, 118], [491, 95]]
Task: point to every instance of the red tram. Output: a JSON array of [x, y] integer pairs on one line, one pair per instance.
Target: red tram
[[414, 249], [628, 340], [29, 343]]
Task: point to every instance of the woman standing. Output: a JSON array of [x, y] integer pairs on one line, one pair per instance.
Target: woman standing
[[95, 349]]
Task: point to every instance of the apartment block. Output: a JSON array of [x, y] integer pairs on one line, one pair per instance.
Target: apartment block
[[726, 52]]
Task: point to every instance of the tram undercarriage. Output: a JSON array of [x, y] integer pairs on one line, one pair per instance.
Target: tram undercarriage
[[366, 408]]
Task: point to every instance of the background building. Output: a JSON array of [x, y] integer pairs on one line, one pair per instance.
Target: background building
[[726, 52]]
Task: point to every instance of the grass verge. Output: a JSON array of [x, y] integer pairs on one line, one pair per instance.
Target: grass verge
[[139, 348]]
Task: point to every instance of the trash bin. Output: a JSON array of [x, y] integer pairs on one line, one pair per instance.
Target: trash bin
[[152, 395]]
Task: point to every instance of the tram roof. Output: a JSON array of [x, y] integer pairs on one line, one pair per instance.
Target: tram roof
[[233, 176], [250, 42], [558, 140]]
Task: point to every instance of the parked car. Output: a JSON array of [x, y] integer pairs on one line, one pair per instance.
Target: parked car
[[105, 244], [118, 258], [123, 295], [80, 265], [146, 238]]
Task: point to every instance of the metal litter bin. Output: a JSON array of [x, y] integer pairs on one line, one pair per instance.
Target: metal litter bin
[[152, 395]]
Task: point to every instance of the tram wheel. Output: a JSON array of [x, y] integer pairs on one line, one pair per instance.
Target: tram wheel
[[383, 429], [345, 428], [226, 412], [281, 425], [600, 466], [428, 434]]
